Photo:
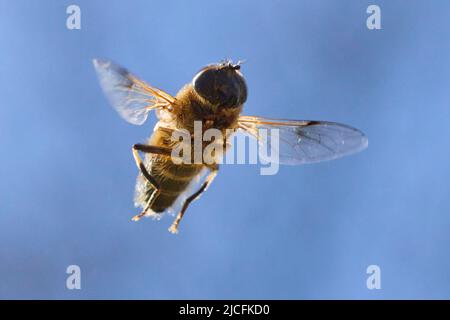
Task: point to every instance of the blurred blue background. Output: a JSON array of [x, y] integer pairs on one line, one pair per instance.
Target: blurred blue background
[[67, 174]]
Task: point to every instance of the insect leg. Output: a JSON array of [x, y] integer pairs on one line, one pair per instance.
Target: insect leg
[[152, 198], [147, 149], [214, 169]]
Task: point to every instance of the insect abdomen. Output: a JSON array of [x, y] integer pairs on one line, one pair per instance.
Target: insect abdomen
[[173, 179]]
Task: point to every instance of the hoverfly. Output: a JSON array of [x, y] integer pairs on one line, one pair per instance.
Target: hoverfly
[[215, 97]]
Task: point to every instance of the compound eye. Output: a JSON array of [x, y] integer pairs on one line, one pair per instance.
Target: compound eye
[[205, 85], [222, 86]]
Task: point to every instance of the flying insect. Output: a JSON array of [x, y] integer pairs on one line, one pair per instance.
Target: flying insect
[[215, 98]]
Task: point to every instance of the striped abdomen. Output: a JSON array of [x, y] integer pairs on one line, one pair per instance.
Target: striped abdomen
[[173, 179]]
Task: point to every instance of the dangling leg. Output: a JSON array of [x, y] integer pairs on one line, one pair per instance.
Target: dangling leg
[[174, 227], [150, 201], [148, 149]]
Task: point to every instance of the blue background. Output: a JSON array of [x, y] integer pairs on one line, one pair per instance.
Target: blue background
[[67, 174]]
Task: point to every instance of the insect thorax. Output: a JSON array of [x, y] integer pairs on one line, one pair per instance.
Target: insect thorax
[[193, 107]]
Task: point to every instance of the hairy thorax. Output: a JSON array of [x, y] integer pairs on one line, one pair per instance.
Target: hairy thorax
[[195, 108]]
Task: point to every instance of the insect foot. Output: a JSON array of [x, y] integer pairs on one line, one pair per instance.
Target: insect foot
[[137, 217], [173, 229]]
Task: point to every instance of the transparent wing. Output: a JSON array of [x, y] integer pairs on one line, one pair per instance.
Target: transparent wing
[[131, 97], [304, 141]]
